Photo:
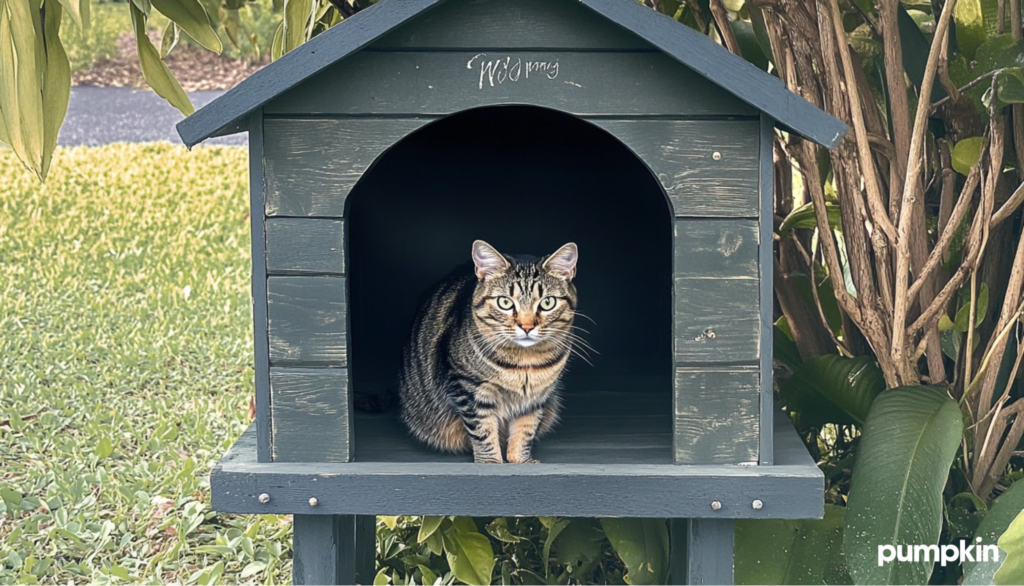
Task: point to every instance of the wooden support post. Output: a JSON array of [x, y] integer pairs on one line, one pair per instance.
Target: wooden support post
[[701, 551], [333, 549]]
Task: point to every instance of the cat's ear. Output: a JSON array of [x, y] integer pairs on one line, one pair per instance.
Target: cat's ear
[[488, 261], [563, 262]]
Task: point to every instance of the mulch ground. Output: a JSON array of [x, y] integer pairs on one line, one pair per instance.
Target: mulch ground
[[195, 68]]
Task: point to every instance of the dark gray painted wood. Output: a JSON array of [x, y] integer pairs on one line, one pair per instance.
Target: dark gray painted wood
[[716, 249], [788, 490], [223, 115], [261, 363], [312, 414], [307, 321], [716, 415], [333, 549], [312, 165], [438, 83], [677, 530], [305, 246], [717, 320], [681, 154], [732, 72], [709, 551], [766, 257], [486, 24]]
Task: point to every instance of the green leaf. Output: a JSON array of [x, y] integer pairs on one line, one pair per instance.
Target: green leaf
[[761, 31], [56, 84], [252, 568], [11, 497], [427, 527], [907, 446], [749, 47], [296, 20], [381, 579], [833, 389], [429, 577], [154, 70], [790, 551], [580, 542], [553, 533], [21, 99], [642, 544], [435, 543], [915, 51], [1012, 542], [966, 153], [79, 10], [169, 40], [970, 26], [469, 553], [104, 448], [998, 518], [945, 323], [803, 217], [498, 529], [193, 19], [785, 349], [390, 522]]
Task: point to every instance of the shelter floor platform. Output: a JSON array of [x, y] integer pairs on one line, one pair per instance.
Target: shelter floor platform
[[610, 457]]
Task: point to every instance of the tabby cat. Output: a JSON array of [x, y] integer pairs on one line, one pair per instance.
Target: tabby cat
[[482, 364]]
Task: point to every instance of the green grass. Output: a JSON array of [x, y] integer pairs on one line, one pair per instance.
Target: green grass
[[125, 368], [99, 41]]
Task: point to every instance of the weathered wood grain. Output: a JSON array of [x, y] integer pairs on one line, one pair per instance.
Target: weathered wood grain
[[333, 549], [312, 165], [708, 548], [716, 248], [305, 246], [790, 491], [312, 410], [717, 413], [261, 352], [767, 267], [681, 154], [438, 83], [487, 24], [307, 321], [717, 320]]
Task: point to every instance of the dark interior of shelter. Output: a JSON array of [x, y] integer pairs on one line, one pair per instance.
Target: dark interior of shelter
[[527, 180]]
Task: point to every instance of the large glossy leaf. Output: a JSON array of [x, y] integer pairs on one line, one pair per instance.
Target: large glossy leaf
[[915, 51], [833, 389], [56, 83], [21, 99], [469, 552], [776, 551], [907, 446], [803, 217], [157, 75], [296, 19], [79, 11], [643, 546], [966, 153], [970, 26], [1012, 542], [999, 516], [193, 19]]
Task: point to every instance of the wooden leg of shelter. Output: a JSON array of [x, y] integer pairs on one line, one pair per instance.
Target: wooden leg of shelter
[[333, 549], [701, 551]]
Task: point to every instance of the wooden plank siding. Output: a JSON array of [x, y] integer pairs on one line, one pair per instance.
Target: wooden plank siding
[[307, 321], [586, 83], [717, 413], [522, 24], [312, 414], [297, 246], [261, 359]]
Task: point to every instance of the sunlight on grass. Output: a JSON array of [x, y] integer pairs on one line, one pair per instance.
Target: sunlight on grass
[[125, 368]]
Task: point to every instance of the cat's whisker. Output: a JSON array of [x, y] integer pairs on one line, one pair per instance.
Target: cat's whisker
[[585, 316]]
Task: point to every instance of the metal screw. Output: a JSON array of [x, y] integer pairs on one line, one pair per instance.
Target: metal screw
[[264, 498], [757, 504], [715, 505], [313, 502], [716, 156]]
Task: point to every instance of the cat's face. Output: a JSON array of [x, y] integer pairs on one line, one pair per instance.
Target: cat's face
[[525, 302]]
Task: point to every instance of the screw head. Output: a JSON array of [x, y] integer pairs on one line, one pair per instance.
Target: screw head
[[313, 502], [716, 506], [716, 156], [264, 498], [757, 504]]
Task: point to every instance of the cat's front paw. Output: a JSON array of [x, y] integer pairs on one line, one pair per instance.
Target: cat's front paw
[[491, 460], [526, 461]]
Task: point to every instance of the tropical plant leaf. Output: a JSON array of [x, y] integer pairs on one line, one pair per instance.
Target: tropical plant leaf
[[803, 217], [907, 446], [970, 26], [428, 525], [833, 389], [469, 552], [580, 542], [915, 51], [1012, 542], [169, 39], [643, 546], [296, 21], [79, 11], [966, 153], [157, 75], [787, 551], [20, 92], [749, 46], [193, 19], [56, 84], [785, 349], [998, 518], [553, 532]]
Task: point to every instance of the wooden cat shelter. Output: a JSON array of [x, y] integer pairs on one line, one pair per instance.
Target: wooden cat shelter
[[382, 148]]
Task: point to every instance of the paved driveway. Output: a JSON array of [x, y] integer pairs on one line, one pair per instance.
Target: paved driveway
[[102, 115]]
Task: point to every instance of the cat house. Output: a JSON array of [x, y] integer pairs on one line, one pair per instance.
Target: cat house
[[381, 149]]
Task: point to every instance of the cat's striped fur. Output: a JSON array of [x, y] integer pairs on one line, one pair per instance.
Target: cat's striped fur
[[482, 364]]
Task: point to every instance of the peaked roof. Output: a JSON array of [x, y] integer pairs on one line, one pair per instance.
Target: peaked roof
[[227, 114]]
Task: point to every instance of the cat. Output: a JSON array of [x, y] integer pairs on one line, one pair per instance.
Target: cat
[[486, 352]]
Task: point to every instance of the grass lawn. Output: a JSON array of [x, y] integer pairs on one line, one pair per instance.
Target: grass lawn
[[125, 369]]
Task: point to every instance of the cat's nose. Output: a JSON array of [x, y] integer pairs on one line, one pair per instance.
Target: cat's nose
[[527, 327]]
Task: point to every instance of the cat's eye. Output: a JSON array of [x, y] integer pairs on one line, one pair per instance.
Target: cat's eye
[[547, 304], [505, 303]]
